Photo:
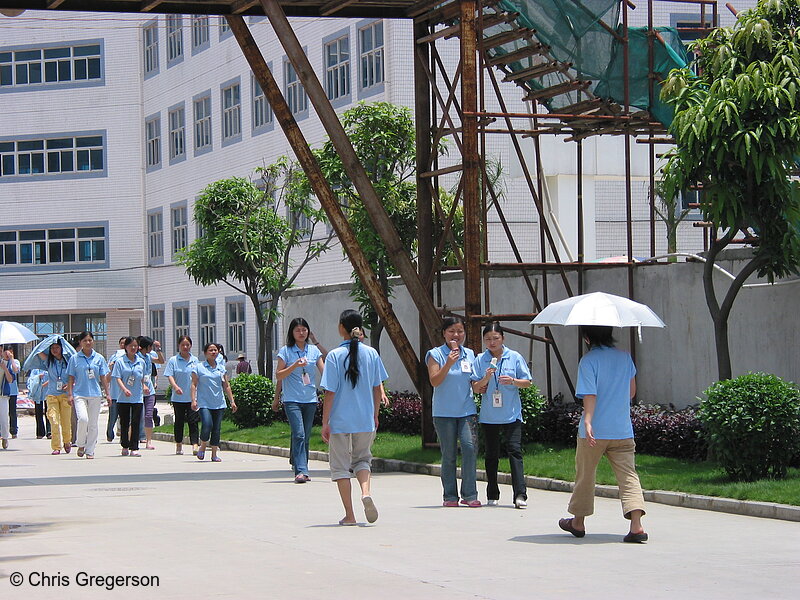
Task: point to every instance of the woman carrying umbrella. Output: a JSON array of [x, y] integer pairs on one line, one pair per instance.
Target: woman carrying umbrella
[[606, 383]]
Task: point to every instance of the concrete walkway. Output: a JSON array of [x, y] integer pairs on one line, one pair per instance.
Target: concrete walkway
[[242, 529]]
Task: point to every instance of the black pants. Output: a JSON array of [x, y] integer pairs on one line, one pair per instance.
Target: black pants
[[513, 437], [184, 414], [12, 415], [42, 424], [129, 417]]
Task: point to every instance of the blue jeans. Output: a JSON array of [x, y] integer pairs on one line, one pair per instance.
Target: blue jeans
[[211, 419], [113, 413], [301, 419], [451, 430]]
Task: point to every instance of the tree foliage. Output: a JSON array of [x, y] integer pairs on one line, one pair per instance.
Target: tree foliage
[[737, 132], [247, 242]]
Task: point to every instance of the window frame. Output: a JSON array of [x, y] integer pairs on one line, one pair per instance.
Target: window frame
[[231, 115], [208, 123], [236, 328], [179, 232], [207, 321], [177, 135], [200, 41], [255, 101], [155, 237], [378, 86], [293, 91], [37, 242], [77, 56], [80, 151], [174, 39], [150, 49], [152, 154], [336, 38]]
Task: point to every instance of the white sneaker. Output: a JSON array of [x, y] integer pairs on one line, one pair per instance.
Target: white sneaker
[[492, 502], [520, 502]]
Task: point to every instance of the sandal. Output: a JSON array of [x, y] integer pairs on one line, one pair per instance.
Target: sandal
[[134, 453], [344, 523], [90, 456], [300, 478], [216, 459], [67, 447], [450, 503], [471, 503], [81, 451], [566, 525], [201, 454], [635, 538], [55, 452], [125, 452]]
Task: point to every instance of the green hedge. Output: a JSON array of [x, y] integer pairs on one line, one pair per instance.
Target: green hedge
[[752, 424], [253, 394]]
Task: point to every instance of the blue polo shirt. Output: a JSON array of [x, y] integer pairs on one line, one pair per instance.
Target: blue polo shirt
[[35, 387], [353, 409], [294, 390], [78, 367], [56, 371], [124, 368], [180, 369], [209, 385], [453, 397], [148, 370], [512, 364], [114, 388], [606, 373]]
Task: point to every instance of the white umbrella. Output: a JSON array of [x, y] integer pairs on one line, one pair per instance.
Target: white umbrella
[[14, 333], [598, 308]]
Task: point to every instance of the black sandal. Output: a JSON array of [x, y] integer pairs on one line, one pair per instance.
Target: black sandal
[[566, 525]]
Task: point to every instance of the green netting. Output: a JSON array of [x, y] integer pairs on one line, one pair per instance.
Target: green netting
[[580, 33]]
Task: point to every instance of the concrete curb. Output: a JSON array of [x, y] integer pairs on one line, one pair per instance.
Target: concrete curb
[[766, 510]]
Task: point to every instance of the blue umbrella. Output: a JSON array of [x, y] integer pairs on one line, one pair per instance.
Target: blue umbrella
[[34, 361]]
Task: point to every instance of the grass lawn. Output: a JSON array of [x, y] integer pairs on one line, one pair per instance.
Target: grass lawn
[[655, 472]]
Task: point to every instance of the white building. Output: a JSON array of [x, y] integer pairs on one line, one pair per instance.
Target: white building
[[112, 124]]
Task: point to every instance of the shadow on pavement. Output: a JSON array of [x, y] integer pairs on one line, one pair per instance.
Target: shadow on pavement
[[129, 478], [560, 538]]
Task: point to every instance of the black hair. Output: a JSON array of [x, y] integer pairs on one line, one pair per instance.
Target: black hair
[[448, 322], [128, 340], [145, 343], [123, 338], [184, 337], [494, 326], [216, 345], [82, 336], [50, 358], [353, 323], [220, 348], [290, 341], [598, 335]]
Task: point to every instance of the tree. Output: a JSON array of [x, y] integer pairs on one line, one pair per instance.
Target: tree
[[383, 137], [247, 244], [737, 132], [667, 210]]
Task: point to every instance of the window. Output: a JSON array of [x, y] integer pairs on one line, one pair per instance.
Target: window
[[157, 330], [199, 32], [371, 44], [174, 38], [337, 68], [236, 322], [50, 156], [295, 94], [301, 221], [177, 133], [231, 112], [61, 246], [180, 228], [224, 28], [262, 111], [155, 236], [181, 318], [202, 124], [153, 142], [150, 42], [691, 26], [77, 62], [208, 324]]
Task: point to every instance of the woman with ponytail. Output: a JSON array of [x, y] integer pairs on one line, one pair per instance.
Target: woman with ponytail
[[352, 381]]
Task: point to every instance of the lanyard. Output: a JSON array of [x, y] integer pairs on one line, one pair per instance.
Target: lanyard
[[88, 360], [57, 370], [302, 355], [131, 364], [499, 369]]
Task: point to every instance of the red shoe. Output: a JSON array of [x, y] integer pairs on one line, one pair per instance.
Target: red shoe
[[471, 503], [450, 503]]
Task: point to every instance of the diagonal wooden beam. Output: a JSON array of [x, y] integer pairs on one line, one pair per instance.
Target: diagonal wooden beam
[[53, 4], [149, 5], [333, 7], [397, 252], [240, 6], [328, 200]]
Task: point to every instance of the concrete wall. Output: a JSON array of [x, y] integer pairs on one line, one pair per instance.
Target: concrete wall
[[674, 364]]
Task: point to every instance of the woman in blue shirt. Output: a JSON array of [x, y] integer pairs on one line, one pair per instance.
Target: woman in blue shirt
[[297, 361], [86, 372], [59, 411], [209, 383], [606, 382], [36, 393], [150, 351], [352, 382], [450, 372], [9, 370], [129, 373], [179, 372], [500, 373]]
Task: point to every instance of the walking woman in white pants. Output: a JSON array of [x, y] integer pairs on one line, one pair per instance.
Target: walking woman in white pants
[[86, 372]]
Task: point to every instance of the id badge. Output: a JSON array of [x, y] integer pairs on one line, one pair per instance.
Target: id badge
[[59, 385], [146, 379], [90, 373], [497, 399], [306, 379], [130, 380], [466, 367]]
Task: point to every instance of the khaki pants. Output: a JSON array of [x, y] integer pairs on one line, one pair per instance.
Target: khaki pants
[[620, 454], [59, 413]]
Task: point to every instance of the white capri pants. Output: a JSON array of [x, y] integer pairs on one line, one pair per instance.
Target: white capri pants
[[5, 428], [87, 409], [350, 453]]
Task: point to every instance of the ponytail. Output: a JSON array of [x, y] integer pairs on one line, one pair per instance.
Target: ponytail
[[352, 322]]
